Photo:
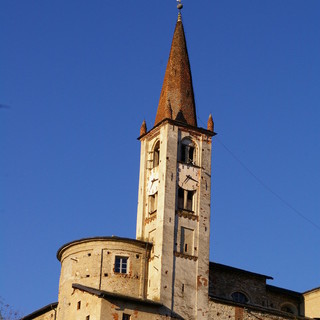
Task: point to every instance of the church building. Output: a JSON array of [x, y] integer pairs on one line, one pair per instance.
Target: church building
[[165, 273]]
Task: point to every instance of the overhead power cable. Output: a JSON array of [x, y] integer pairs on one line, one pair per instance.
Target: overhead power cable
[[261, 182]]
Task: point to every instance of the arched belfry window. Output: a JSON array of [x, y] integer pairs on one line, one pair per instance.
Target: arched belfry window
[[188, 152], [239, 297], [156, 154]]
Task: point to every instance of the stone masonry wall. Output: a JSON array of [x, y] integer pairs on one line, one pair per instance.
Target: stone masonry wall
[[90, 262], [230, 311], [115, 309], [80, 305], [49, 315], [224, 282], [278, 298]]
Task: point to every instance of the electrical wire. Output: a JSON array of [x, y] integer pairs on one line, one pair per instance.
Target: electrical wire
[[262, 183]]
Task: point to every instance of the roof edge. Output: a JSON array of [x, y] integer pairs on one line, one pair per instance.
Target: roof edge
[[106, 294], [223, 266], [180, 124], [51, 306], [309, 291], [100, 238], [286, 291]]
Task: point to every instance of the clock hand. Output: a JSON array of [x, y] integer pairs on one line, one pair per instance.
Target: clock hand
[[151, 184], [193, 179], [186, 179]]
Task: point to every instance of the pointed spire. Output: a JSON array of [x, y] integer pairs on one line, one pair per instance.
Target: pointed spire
[[210, 125], [168, 110], [177, 85], [143, 128]]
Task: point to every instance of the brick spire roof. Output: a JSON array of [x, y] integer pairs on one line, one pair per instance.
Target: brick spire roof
[[177, 88]]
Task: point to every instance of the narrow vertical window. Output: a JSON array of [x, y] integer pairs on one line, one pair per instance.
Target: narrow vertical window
[[156, 154], [78, 305], [121, 264], [189, 205], [180, 198]]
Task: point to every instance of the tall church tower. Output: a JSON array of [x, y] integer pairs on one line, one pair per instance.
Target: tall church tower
[[174, 192]]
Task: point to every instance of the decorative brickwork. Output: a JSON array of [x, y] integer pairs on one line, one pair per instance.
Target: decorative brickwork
[[188, 215], [185, 256], [210, 125], [143, 128]]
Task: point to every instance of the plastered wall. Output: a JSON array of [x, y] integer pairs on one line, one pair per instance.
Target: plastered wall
[[312, 303]]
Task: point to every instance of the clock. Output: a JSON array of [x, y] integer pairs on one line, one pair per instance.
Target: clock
[[153, 181], [188, 176]]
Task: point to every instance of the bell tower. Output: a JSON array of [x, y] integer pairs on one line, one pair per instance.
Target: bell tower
[[174, 192]]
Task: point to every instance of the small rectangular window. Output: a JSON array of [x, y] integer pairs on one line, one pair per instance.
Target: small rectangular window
[[126, 316], [153, 203], [78, 305], [121, 264], [186, 199]]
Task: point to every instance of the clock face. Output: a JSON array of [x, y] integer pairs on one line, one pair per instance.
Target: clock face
[[153, 181], [188, 177]]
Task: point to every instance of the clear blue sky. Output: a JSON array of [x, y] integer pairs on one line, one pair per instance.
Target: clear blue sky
[[77, 79]]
